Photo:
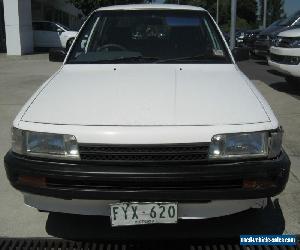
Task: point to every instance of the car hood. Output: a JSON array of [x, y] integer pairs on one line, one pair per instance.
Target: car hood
[[144, 94], [71, 33], [273, 30], [290, 33]]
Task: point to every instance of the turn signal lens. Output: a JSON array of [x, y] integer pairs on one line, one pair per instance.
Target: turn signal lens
[[258, 184], [275, 145], [17, 140]]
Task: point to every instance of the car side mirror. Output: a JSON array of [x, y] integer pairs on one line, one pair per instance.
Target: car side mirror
[[57, 55], [69, 43], [241, 54], [60, 31]]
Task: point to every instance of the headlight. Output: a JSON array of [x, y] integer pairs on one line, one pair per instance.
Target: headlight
[[44, 144], [295, 43], [246, 145], [277, 41]]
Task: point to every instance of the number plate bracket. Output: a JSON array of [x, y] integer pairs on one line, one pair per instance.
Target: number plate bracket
[[141, 213]]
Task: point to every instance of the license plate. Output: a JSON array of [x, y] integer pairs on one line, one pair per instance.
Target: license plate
[[136, 213]]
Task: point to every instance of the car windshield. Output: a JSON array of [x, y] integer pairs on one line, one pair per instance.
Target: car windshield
[[64, 27], [297, 24], [290, 20], [149, 36], [278, 22]]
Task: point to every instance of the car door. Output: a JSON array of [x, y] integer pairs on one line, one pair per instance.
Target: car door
[[52, 35], [38, 33], [47, 35], [64, 35]]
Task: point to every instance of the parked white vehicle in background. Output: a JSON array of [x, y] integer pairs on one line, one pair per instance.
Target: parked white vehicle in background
[[52, 35], [285, 54], [149, 120]]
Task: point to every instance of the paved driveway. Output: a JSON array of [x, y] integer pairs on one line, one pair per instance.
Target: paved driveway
[[19, 77]]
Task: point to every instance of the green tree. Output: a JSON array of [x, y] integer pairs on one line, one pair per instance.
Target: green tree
[[247, 9], [275, 10]]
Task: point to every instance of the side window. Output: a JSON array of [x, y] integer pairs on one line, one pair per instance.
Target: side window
[[216, 45], [36, 26], [85, 36], [46, 26], [54, 27]]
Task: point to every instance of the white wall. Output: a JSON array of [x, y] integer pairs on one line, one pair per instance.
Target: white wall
[[18, 26]]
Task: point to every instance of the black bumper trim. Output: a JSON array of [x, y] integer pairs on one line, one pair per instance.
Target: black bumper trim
[[276, 171]]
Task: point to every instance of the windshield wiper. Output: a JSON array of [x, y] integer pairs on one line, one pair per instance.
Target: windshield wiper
[[137, 58], [192, 58], [129, 59], [118, 60], [143, 59]]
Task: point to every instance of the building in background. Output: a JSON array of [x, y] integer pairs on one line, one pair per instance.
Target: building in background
[[2, 29], [17, 16], [57, 11]]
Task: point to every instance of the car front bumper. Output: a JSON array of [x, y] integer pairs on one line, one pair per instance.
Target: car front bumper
[[192, 183], [249, 43], [262, 47], [293, 70], [288, 69], [186, 210]]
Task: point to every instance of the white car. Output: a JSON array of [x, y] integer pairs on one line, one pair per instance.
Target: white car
[[285, 54], [52, 35], [149, 120]]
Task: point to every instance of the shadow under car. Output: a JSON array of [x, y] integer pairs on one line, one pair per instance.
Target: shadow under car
[[269, 220]]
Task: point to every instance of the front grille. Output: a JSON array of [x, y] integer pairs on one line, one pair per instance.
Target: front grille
[[259, 46], [262, 37], [283, 42], [192, 152], [289, 60], [277, 58]]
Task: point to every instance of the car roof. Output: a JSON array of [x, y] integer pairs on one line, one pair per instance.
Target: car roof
[[43, 21], [151, 7]]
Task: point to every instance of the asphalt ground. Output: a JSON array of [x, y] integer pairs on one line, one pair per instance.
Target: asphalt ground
[[260, 70], [21, 76]]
